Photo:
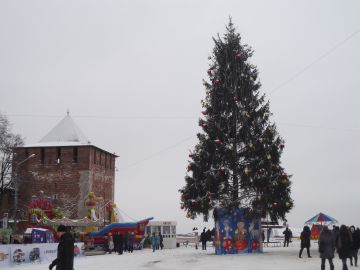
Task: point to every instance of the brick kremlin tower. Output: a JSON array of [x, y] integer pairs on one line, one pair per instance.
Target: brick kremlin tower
[[66, 167]]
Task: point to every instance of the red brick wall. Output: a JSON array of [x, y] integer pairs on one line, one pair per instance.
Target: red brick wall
[[69, 181]]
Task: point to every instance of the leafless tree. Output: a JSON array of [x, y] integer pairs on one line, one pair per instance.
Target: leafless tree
[[8, 141]]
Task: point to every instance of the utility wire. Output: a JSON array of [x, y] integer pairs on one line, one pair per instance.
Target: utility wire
[[109, 117], [321, 57], [319, 127], [157, 153], [185, 117], [125, 214]]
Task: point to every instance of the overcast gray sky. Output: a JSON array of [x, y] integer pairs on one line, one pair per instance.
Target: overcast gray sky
[[131, 74]]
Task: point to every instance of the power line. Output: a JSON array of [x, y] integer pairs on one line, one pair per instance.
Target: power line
[[319, 127], [125, 214], [157, 153], [321, 57], [109, 117]]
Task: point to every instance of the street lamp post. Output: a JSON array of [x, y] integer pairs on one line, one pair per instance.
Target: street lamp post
[[16, 188]]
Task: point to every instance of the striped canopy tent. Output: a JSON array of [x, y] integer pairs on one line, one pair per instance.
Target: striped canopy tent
[[318, 222], [321, 219]]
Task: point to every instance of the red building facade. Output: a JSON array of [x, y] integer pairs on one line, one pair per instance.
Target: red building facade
[[66, 167]]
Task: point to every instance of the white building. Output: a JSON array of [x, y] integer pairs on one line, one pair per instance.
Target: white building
[[166, 228]]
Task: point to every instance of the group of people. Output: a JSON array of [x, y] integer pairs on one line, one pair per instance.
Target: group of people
[[156, 241], [345, 240], [120, 243], [204, 237]]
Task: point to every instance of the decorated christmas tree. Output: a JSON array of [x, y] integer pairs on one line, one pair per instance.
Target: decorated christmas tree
[[236, 162]]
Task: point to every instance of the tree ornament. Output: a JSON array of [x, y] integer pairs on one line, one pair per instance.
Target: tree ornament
[[238, 56], [268, 156], [246, 170], [274, 204], [282, 146], [216, 81], [244, 114], [217, 141], [189, 168], [221, 170], [287, 204], [204, 112]]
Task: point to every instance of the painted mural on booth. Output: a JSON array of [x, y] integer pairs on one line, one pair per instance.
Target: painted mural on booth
[[235, 233]]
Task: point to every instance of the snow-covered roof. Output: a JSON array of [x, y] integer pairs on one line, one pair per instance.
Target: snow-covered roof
[[65, 131]]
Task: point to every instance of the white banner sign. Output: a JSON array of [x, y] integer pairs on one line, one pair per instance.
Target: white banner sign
[[32, 253]]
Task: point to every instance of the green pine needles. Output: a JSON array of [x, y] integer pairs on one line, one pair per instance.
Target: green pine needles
[[236, 162]]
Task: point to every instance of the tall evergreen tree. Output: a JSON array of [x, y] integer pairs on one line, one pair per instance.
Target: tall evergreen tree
[[236, 162]]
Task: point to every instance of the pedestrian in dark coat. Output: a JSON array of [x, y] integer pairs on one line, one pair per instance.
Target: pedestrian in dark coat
[[326, 247], [116, 242], [355, 244], [287, 236], [203, 239], [343, 245], [161, 240], [121, 244], [130, 242], [65, 250], [208, 235], [125, 242], [305, 241]]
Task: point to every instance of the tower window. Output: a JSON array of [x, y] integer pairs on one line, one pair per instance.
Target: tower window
[[75, 154], [42, 155], [58, 155]]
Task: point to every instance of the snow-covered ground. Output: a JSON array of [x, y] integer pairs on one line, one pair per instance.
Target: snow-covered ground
[[273, 258]]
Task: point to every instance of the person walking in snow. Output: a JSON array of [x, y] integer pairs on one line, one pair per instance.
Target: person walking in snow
[[65, 250], [203, 239], [157, 240], [110, 243], [343, 245], [287, 236], [326, 247], [125, 241], [355, 245], [153, 241], [161, 241], [305, 241], [130, 242], [268, 234]]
